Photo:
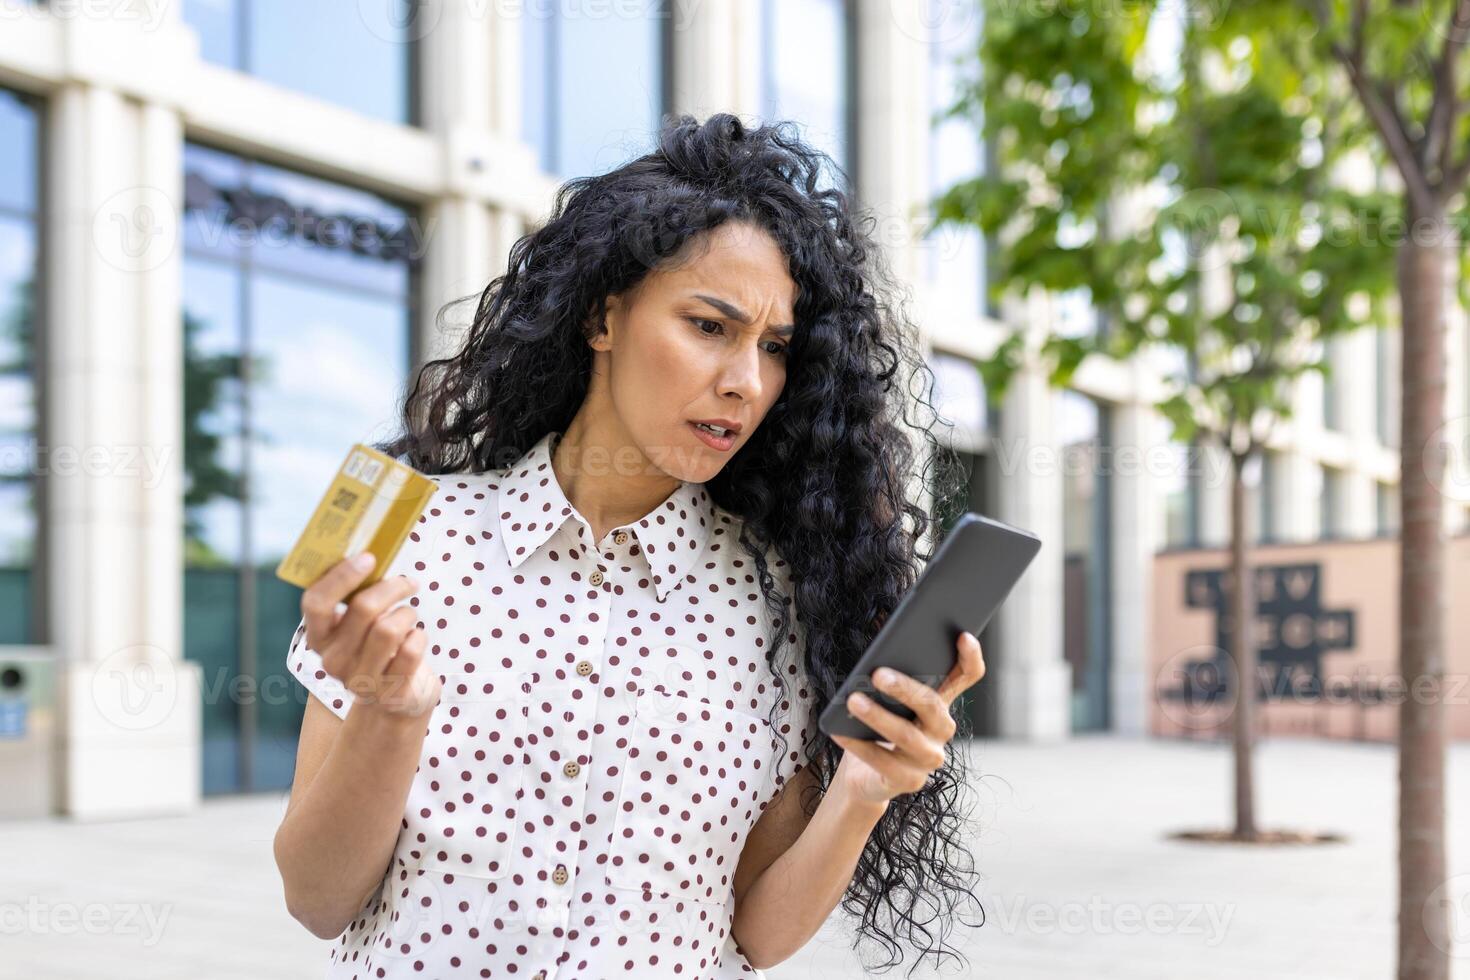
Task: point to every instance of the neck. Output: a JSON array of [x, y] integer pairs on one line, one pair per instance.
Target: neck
[[606, 477]]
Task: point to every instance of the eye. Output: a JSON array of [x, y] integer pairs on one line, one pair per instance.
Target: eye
[[781, 350], [697, 321]]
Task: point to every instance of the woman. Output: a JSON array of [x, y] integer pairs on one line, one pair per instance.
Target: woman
[[571, 732]]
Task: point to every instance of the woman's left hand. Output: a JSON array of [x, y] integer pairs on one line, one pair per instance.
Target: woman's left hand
[[875, 773]]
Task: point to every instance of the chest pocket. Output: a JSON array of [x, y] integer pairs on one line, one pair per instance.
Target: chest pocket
[[460, 815], [690, 792]]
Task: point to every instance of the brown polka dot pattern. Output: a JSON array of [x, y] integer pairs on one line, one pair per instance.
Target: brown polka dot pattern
[[567, 822]]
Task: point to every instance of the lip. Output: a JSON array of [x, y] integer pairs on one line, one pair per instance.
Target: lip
[[713, 441], [733, 427]]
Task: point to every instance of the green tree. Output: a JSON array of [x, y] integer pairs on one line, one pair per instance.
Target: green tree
[[208, 379], [1403, 62], [1250, 258]]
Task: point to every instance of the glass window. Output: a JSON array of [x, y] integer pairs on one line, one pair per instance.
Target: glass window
[[1086, 441], [582, 117], [1334, 503], [807, 73], [959, 397], [1388, 386], [19, 267], [1178, 487], [298, 323], [1388, 509], [1266, 530], [366, 66], [955, 257]]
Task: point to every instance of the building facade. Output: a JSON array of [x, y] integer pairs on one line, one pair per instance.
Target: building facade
[[228, 232]]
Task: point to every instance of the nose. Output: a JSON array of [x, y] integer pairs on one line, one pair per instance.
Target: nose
[[741, 373]]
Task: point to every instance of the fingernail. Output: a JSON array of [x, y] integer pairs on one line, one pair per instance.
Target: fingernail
[[364, 561]]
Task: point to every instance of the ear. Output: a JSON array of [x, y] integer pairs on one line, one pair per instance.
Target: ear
[[599, 333]]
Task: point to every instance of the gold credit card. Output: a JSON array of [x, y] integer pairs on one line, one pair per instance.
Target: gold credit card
[[371, 505]]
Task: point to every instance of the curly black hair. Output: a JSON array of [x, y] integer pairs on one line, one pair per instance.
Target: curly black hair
[[826, 482]]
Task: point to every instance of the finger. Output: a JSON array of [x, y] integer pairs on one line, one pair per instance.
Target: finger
[[340, 654], [900, 776], [931, 709], [384, 637], [906, 737], [366, 606], [320, 600], [401, 677], [410, 652], [969, 667]]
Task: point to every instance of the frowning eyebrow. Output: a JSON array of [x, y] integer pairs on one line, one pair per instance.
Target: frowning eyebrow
[[737, 313]]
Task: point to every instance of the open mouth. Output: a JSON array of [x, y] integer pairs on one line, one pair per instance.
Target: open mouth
[[713, 435]]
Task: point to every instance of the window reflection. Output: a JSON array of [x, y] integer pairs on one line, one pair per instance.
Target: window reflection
[[806, 74], [19, 264], [297, 344], [582, 116], [364, 65], [1082, 426]]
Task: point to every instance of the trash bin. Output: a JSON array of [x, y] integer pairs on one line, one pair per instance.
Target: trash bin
[[27, 732]]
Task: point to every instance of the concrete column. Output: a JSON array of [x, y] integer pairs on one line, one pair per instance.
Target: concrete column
[[893, 139], [1297, 489], [1034, 678], [1137, 452], [471, 80], [129, 700], [1296, 497], [717, 57]]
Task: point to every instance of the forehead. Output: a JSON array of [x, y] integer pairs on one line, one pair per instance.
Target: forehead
[[740, 263]]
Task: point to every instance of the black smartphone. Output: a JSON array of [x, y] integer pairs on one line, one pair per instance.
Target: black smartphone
[[975, 567]]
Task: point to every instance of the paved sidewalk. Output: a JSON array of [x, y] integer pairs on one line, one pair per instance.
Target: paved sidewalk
[[1081, 882]]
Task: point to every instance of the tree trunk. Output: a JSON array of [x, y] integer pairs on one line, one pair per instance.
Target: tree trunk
[[1421, 284], [1242, 655]]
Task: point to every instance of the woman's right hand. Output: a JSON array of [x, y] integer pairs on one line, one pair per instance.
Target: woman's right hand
[[375, 650]]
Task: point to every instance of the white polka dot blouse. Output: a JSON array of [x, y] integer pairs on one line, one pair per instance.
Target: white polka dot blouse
[[601, 748]]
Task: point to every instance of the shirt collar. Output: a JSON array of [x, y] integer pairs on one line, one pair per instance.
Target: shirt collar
[[672, 536]]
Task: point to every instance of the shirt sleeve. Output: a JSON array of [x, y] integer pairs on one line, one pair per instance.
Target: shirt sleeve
[[305, 664]]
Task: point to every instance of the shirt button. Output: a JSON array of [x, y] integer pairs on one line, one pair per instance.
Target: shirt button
[[596, 578], [571, 769], [621, 537], [584, 667], [560, 875]]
